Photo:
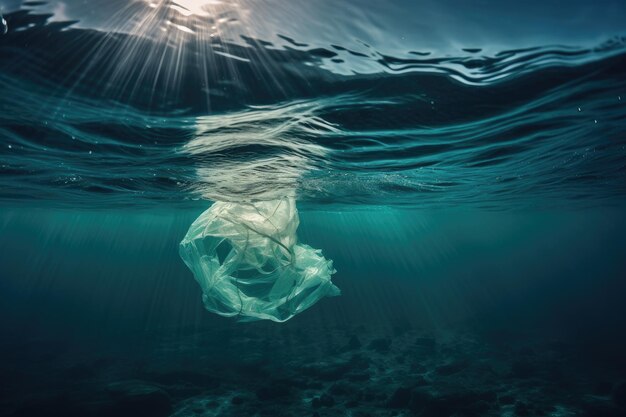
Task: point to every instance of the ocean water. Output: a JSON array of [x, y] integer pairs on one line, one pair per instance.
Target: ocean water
[[462, 163]]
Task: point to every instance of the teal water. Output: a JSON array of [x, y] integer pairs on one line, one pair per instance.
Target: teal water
[[125, 119], [463, 166], [434, 267]]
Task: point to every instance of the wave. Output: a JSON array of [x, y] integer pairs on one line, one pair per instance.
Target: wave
[[90, 118]]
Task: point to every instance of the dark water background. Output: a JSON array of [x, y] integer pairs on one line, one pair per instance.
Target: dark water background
[[462, 163]]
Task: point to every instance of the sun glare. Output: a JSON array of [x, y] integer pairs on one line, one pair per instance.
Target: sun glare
[[169, 41], [192, 17], [200, 8], [194, 7]]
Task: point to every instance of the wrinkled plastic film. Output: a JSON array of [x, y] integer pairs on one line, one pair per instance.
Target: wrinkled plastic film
[[247, 260]]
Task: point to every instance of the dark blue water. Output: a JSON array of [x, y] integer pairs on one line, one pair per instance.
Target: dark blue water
[[462, 163]]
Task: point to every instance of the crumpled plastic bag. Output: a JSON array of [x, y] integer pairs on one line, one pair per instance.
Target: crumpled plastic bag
[[246, 258]]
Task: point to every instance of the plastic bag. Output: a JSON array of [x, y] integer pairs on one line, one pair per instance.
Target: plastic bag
[[246, 258]]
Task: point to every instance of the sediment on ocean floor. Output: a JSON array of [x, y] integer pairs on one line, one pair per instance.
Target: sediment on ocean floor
[[359, 371]]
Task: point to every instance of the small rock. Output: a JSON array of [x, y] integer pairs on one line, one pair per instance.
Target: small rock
[[316, 403], [527, 351], [420, 381], [236, 400], [353, 344], [273, 392], [184, 377], [359, 363], [80, 371], [381, 345], [522, 369], [521, 409], [61, 405], [328, 371], [342, 389], [464, 403], [604, 388], [400, 398], [324, 400], [132, 398], [421, 401], [369, 396], [359, 377], [401, 327], [619, 394], [426, 344], [452, 368], [596, 407], [352, 403], [506, 399], [327, 401]]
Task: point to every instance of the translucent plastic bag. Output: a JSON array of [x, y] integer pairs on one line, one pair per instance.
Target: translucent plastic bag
[[246, 258]]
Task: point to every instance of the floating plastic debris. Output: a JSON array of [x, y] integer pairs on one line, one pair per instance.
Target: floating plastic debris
[[246, 258]]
